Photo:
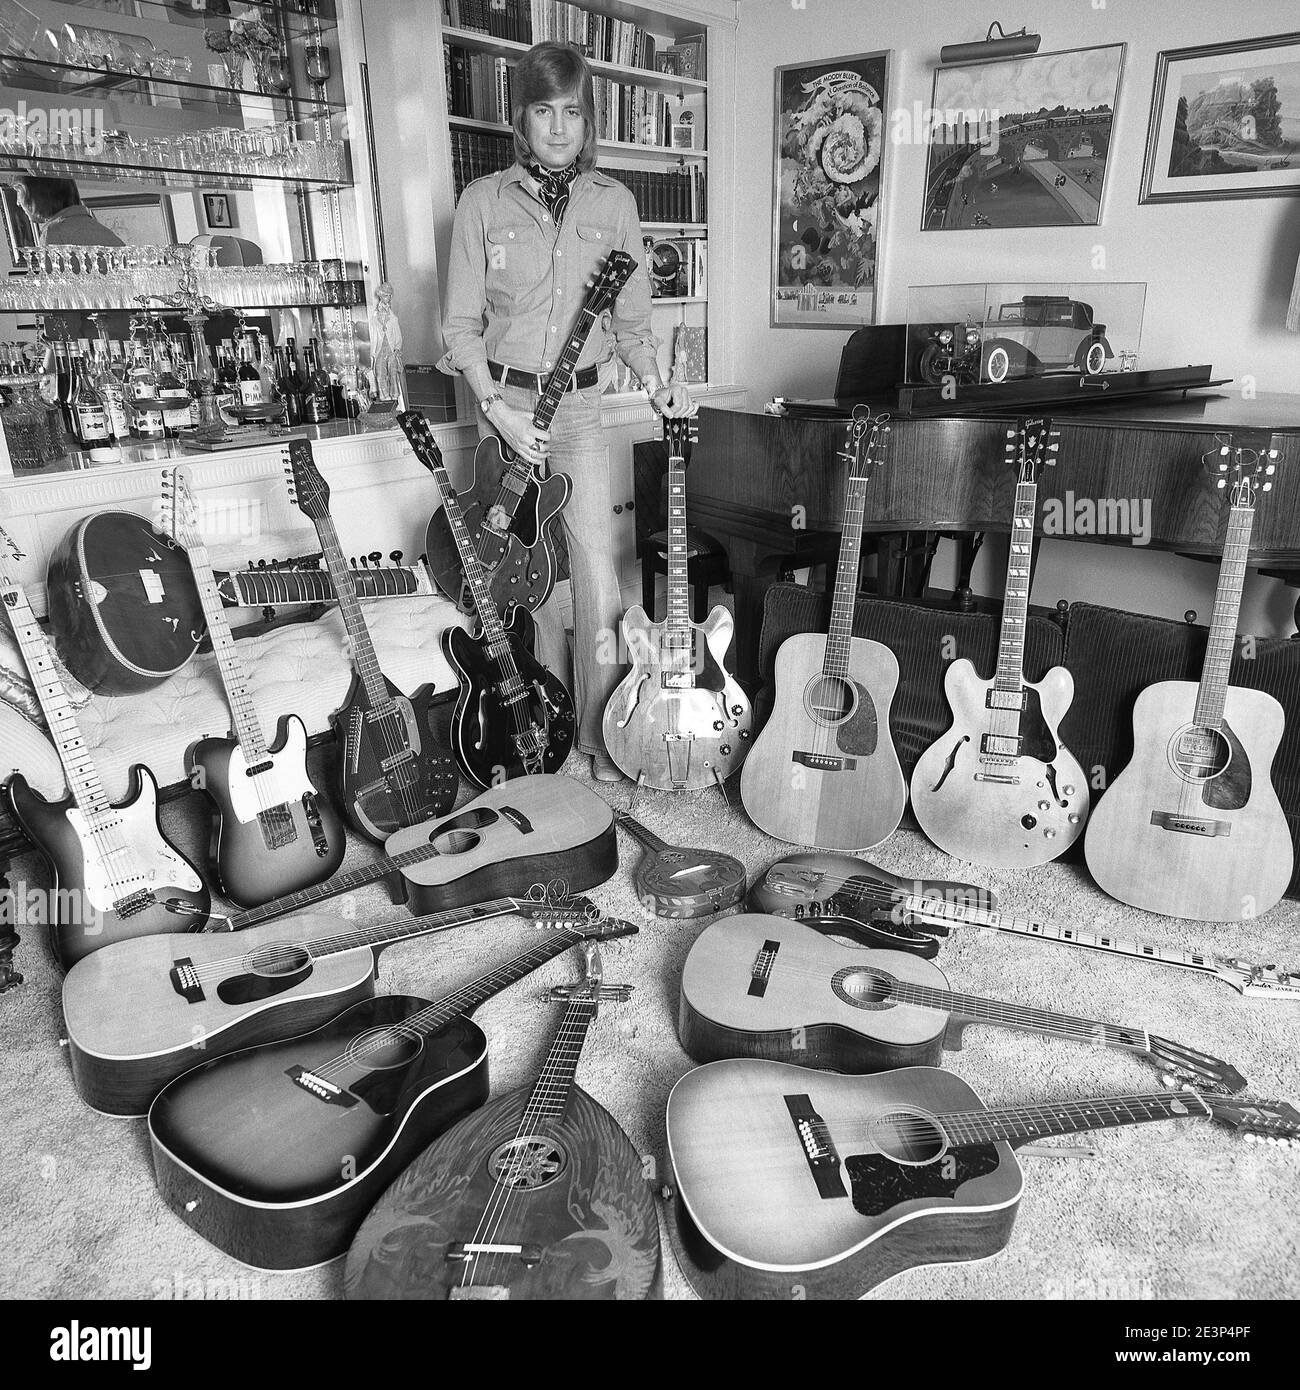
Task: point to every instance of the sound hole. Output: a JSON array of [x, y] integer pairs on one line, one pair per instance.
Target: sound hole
[[1199, 754], [907, 1136], [277, 958], [382, 1049], [864, 988], [455, 841], [830, 699], [528, 1163]]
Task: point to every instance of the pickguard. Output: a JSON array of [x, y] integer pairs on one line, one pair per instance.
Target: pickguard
[[860, 732], [285, 782], [877, 1184], [1036, 739], [155, 863], [248, 989], [1230, 790]]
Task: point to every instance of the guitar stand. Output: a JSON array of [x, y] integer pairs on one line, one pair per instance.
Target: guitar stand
[[636, 791], [722, 788]]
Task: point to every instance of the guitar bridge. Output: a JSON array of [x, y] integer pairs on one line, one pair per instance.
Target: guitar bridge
[[317, 1086], [824, 762], [761, 971], [278, 829], [185, 981], [460, 1251], [678, 747], [1191, 825], [133, 903], [818, 1148]]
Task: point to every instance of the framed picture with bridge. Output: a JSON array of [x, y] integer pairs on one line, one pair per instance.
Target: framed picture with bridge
[[1020, 142]]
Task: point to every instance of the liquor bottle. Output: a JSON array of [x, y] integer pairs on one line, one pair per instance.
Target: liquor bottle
[[110, 386], [286, 382], [171, 392], [142, 384], [250, 382], [227, 379], [316, 408], [90, 416], [66, 385], [265, 368]]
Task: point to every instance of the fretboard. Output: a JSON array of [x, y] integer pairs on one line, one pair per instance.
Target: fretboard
[[639, 833], [562, 373], [1017, 1124], [840, 635], [384, 933], [550, 1096], [268, 587], [1015, 609], [361, 648], [494, 634], [679, 588], [1213, 690]]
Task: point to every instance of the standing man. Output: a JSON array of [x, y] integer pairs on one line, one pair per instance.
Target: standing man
[[524, 245]]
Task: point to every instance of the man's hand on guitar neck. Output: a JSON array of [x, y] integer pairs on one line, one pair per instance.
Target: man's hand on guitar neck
[[673, 400], [516, 427]]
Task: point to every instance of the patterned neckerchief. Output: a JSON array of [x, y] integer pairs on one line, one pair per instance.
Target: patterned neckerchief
[[553, 187]]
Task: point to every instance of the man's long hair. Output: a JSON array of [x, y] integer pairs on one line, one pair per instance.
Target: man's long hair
[[547, 71]]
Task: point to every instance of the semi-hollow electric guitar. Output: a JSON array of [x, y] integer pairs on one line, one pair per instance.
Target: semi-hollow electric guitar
[[678, 721], [275, 1154], [794, 1183], [538, 1195], [395, 762], [675, 882], [824, 771], [513, 717], [112, 871], [272, 832], [510, 510], [1000, 787], [1193, 826], [760, 986]]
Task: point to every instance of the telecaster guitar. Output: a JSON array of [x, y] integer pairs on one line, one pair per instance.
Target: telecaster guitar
[[675, 882]]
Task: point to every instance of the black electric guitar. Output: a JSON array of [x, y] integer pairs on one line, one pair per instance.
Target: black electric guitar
[[395, 763], [273, 832], [113, 873], [513, 717], [510, 510], [675, 882]]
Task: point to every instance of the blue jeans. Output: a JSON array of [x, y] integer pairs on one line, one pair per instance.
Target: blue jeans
[[578, 449]]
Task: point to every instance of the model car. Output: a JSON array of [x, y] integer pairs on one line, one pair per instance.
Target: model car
[[950, 349], [1042, 332]]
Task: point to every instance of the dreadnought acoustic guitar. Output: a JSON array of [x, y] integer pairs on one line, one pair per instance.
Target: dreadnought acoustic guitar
[[824, 771], [272, 831], [675, 882], [678, 720], [275, 1154], [395, 761], [797, 1184], [999, 787], [113, 875], [1193, 826], [757, 986], [510, 510], [538, 1195]]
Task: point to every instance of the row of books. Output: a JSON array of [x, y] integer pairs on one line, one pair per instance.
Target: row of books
[[478, 85], [599, 36], [635, 115]]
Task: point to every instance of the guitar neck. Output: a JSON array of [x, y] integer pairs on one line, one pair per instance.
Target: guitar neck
[[678, 618], [362, 648], [1018, 1124], [385, 933], [639, 833], [839, 638], [550, 1096], [1015, 609], [272, 587], [562, 373], [1212, 694]]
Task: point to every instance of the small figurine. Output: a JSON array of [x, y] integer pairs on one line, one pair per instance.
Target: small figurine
[[386, 346]]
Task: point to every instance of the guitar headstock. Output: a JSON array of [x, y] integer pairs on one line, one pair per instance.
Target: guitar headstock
[[1032, 446], [1257, 1121], [420, 437], [8, 550], [180, 512], [680, 436], [1185, 1065], [306, 486], [1258, 981], [866, 442], [1245, 472], [574, 913], [612, 276]]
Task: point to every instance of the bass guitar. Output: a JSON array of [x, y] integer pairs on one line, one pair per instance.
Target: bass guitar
[[908, 914], [275, 1154], [802, 1184], [756, 986], [512, 717], [1193, 826], [273, 832], [824, 771], [113, 874], [538, 1195], [510, 510], [395, 763], [678, 721], [999, 787], [675, 882]]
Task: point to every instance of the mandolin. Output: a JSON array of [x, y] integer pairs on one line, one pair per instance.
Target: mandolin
[[538, 1195], [824, 770], [678, 720], [395, 763], [512, 717], [1193, 826], [275, 1154], [675, 882], [758, 986], [885, 909], [113, 874], [1000, 787], [796, 1184]]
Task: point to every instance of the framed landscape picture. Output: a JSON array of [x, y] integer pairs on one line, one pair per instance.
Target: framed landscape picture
[[1225, 122], [830, 152], [1021, 142]]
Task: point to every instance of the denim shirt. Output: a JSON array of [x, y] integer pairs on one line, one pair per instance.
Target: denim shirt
[[515, 285]]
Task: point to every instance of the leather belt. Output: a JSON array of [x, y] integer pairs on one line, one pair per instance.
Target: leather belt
[[512, 376]]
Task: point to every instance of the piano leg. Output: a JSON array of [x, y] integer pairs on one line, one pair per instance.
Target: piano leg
[[748, 588]]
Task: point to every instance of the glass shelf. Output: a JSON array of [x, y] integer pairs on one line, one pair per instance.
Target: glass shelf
[[125, 174], [344, 294], [184, 13]]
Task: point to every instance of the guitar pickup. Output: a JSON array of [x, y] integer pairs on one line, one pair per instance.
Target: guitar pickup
[[815, 1140], [1001, 745], [1005, 699], [824, 762], [1190, 825], [185, 981], [320, 1088], [761, 971], [677, 680]]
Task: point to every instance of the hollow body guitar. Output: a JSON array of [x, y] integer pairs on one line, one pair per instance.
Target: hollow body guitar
[[999, 787], [1193, 826], [678, 721], [823, 770], [672, 881]]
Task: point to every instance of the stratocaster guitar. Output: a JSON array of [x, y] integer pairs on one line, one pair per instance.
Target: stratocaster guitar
[[538, 1195], [395, 763], [513, 717], [759, 986], [510, 510], [678, 720], [907, 914], [794, 1183], [273, 832], [824, 771], [112, 871], [999, 787], [275, 1154], [675, 882], [1193, 826]]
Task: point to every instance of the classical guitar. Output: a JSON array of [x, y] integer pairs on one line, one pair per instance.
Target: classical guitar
[[678, 720], [672, 881], [538, 1195], [510, 510], [1193, 826], [794, 1183], [908, 913], [824, 771], [759, 986], [999, 787], [395, 764], [272, 831], [113, 873], [275, 1154], [513, 717]]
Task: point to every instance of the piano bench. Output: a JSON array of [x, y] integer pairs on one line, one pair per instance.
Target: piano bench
[[706, 565]]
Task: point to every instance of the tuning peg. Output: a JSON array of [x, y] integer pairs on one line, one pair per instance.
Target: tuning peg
[[395, 556], [1220, 484], [375, 557], [352, 560]]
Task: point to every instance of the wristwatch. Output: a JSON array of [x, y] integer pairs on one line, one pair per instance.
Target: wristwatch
[[652, 388], [486, 404]]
